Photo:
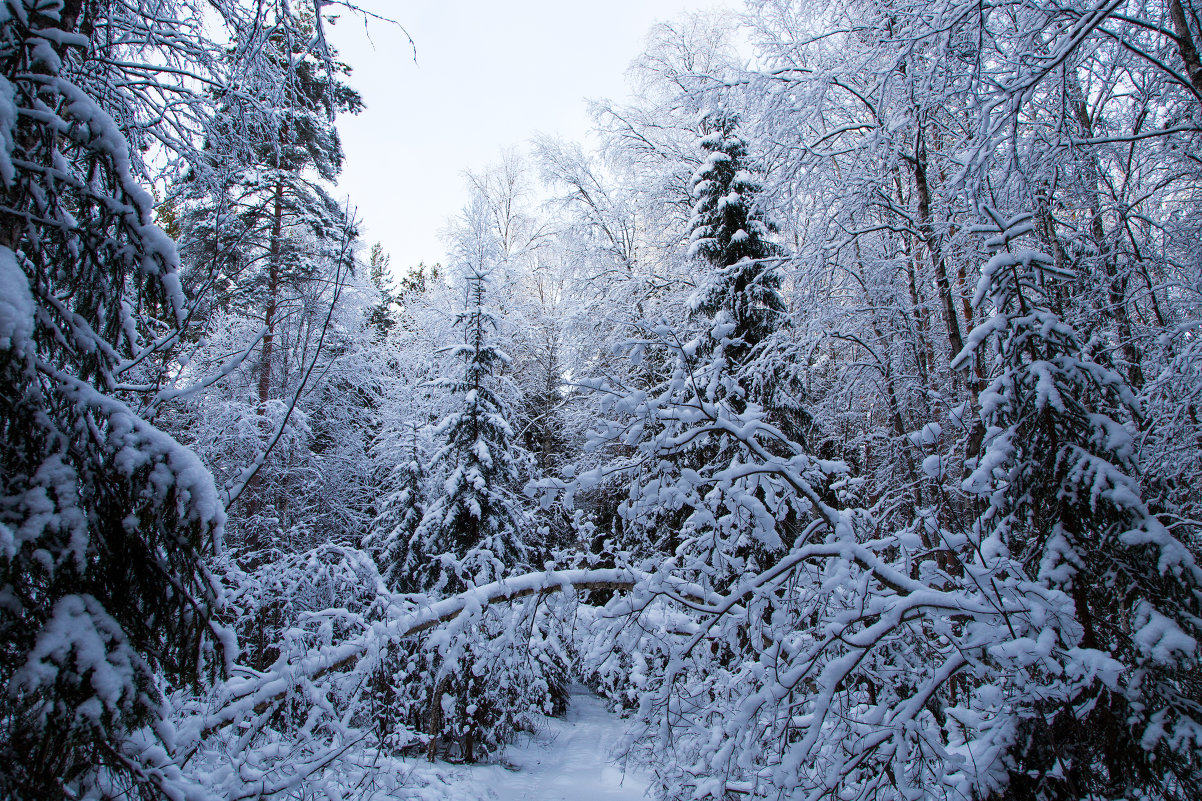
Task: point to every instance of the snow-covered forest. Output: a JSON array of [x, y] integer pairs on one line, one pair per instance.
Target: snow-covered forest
[[835, 419]]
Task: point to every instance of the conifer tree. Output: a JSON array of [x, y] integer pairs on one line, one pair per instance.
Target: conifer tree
[[381, 318], [731, 236], [261, 217], [476, 530], [473, 687], [397, 549], [739, 296], [1114, 711], [738, 309], [104, 519], [265, 248]]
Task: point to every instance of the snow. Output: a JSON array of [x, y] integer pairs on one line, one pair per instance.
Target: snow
[[1161, 638], [16, 304], [8, 124], [566, 759], [928, 435], [82, 639]]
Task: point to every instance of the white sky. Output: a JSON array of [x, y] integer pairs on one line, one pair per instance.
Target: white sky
[[488, 75]]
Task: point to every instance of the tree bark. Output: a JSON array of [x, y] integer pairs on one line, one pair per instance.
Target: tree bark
[[1186, 46], [926, 227], [273, 287]]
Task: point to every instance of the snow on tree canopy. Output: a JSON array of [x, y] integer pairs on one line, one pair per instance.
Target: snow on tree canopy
[[107, 519], [16, 304], [895, 497], [476, 528]]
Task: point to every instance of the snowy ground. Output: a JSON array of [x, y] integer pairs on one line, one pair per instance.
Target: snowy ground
[[566, 760]]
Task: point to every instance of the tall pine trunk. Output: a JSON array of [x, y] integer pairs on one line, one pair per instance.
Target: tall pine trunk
[[273, 287]]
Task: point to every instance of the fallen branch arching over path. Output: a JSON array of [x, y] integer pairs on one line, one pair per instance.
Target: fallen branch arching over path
[[256, 693]]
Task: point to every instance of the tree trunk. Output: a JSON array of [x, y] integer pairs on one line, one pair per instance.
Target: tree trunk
[[434, 720], [1115, 284], [1186, 46], [926, 227], [273, 287]]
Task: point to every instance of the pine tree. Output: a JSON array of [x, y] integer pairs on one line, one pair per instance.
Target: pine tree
[[266, 247], [419, 279], [261, 219]]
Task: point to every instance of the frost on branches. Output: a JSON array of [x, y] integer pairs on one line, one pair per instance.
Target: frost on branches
[[854, 487], [1051, 651]]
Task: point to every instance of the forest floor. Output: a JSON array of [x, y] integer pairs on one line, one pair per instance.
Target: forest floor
[[566, 759]]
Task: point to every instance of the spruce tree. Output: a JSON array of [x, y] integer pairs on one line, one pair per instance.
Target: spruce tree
[[397, 550], [475, 531], [477, 684], [730, 234], [739, 297], [738, 308], [382, 317], [1114, 708], [105, 520]]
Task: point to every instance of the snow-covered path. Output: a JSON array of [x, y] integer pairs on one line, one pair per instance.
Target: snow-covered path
[[566, 760]]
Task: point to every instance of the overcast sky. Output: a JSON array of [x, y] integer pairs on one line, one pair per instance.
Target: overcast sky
[[487, 75]]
